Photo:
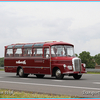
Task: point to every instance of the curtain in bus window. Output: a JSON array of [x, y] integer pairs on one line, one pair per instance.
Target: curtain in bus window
[[18, 52], [27, 52], [33, 51], [38, 52], [9, 53], [46, 52]]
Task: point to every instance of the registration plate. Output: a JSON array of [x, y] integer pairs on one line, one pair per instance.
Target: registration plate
[[79, 73]]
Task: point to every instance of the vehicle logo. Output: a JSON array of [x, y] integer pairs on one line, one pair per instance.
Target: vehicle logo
[[21, 62]]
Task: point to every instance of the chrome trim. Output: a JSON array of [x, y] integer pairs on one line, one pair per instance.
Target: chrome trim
[[76, 64]]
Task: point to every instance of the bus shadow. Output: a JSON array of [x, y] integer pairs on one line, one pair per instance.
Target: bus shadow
[[45, 77]]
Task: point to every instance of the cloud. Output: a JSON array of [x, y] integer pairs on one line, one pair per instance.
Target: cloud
[[37, 22], [87, 39]]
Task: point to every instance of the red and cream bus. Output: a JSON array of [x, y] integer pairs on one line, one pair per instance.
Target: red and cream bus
[[52, 58]]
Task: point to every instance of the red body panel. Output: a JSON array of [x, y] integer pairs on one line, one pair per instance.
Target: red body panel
[[33, 65]]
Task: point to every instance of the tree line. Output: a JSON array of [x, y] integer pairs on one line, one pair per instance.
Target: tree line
[[85, 57], [90, 61], [1, 62]]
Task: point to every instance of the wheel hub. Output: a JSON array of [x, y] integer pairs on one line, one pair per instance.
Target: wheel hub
[[58, 72]]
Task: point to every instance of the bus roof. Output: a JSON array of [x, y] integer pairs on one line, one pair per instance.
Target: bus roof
[[38, 44]]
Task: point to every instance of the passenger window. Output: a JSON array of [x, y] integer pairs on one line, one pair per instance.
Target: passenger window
[[46, 53], [9, 53], [27, 52], [18, 52], [37, 52]]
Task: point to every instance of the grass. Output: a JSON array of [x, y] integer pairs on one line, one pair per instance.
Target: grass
[[20, 94], [1, 69], [93, 72]]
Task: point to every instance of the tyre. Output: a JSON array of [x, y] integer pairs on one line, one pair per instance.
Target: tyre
[[21, 73], [58, 74], [39, 76], [77, 77]]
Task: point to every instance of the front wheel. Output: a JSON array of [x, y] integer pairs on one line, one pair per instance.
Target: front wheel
[[58, 74], [77, 77]]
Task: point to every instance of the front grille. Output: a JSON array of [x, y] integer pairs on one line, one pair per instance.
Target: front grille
[[76, 64]]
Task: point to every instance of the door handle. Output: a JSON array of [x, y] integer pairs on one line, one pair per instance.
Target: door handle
[[43, 61]]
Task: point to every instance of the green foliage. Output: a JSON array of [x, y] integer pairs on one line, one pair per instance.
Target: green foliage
[[87, 59], [76, 55], [97, 59], [1, 62]]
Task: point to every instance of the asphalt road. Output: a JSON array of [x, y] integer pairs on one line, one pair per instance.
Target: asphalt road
[[87, 86]]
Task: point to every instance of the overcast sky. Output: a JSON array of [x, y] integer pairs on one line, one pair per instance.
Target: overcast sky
[[73, 22]]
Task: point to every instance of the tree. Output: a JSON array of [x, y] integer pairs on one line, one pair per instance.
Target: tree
[[76, 55], [87, 59], [1, 62], [97, 59]]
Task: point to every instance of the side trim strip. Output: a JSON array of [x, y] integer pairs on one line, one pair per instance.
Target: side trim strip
[[27, 67]]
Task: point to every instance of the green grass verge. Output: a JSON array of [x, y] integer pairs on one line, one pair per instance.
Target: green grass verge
[[93, 72], [1, 69], [20, 94]]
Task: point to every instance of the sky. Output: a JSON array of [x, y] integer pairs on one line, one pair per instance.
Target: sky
[[77, 23]]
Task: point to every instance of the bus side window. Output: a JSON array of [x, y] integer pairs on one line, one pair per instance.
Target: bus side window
[[18, 52], [37, 52], [27, 52], [9, 52], [46, 53]]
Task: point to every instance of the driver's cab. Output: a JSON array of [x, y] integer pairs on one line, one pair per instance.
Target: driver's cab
[[62, 51]]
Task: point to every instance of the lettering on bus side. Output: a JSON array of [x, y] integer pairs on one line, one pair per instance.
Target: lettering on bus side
[[21, 62]]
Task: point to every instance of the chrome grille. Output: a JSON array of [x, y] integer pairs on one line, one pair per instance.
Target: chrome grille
[[76, 64]]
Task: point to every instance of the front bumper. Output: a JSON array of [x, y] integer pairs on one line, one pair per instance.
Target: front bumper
[[72, 72]]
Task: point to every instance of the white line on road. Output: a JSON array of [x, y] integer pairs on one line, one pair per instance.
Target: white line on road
[[1, 77], [50, 85], [96, 82], [58, 80]]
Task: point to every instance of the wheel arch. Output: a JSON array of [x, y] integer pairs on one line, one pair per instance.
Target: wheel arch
[[54, 69]]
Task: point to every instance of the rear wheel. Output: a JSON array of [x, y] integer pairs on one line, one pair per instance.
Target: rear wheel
[[39, 76], [58, 74], [21, 73], [77, 77]]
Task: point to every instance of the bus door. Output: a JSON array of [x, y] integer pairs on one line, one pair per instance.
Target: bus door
[[46, 60]]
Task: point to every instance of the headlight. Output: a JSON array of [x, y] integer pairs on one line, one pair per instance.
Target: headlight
[[84, 65], [69, 67], [64, 66]]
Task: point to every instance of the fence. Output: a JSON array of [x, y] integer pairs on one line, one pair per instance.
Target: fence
[[1, 67], [92, 70]]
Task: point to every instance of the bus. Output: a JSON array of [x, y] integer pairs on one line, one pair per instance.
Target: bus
[[43, 58]]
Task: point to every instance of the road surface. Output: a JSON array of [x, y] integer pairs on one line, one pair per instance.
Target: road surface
[[87, 86]]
